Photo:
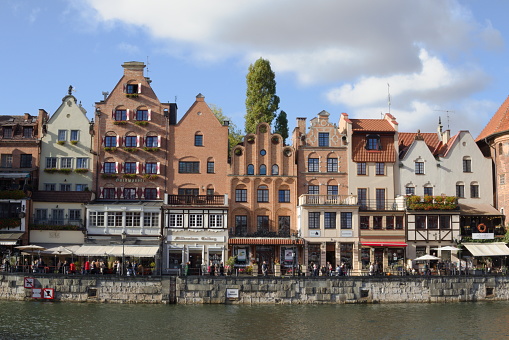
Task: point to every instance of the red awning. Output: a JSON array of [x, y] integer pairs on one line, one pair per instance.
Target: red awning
[[262, 241], [384, 244]]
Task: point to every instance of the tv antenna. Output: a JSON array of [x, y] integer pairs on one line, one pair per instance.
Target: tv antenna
[[147, 66], [447, 115], [389, 96]]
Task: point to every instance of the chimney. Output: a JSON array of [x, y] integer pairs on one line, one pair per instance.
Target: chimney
[[173, 113], [301, 124], [200, 97], [133, 67], [27, 116]]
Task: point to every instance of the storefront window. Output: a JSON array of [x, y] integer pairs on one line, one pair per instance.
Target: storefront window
[[346, 254], [396, 257], [215, 257], [420, 251], [314, 253], [242, 256], [175, 259], [365, 258]]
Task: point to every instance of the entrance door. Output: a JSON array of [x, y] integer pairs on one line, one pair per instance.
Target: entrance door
[[379, 259], [195, 257], [330, 255], [265, 253]]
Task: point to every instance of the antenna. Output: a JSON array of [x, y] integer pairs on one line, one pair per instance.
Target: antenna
[[389, 96], [105, 94], [147, 66], [175, 99], [447, 115]]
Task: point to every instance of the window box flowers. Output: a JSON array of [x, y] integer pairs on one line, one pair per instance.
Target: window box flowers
[[61, 142], [74, 142], [129, 176], [50, 170], [81, 171], [7, 223], [141, 122], [109, 176], [150, 176], [131, 95], [149, 149], [110, 149], [119, 122], [65, 171], [130, 149]]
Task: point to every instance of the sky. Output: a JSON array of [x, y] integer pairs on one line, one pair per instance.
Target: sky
[[434, 59]]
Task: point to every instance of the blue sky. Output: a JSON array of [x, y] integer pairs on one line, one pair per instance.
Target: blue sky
[[333, 55]]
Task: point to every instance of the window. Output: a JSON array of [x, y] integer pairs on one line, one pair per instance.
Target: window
[[263, 194], [240, 225], [132, 219], [81, 163], [263, 170], [313, 189], [65, 187], [120, 115], [109, 193], [151, 168], [329, 220], [210, 192], [389, 222], [275, 169], [142, 115], [81, 187], [428, 191], [110, 141], [313, 165], [210, 167], [130, 167], [28, 131], [41, 214], [410, 191], [7, 131], [262, 223], [419, 168], [467, 164], [474, 190], [364, 221], [380, 199], [62, 135], [263, 152], [176, 221], [323, 139], [377, 222], [284, 196], [188, 191], [501, 179], [75, 135], [7, 161], [129, 193], [432, 222], [151, 141], [399, 222], [240, 195], [373, 142], [195, 220], [332, 165], [460, 190], [346, 220], [50, 187], [131, 141], [75, 214], [250, 169], [445, 222], [362, 197], [198, 140], [110, 167], [380, 169], [150, 193], [96, 219], [215, 221], [131, 88], [361, 168], [66, 163], [420, 222], [283, 223], [51, 162], [151, 219], [332, 190], [314, 220], [189, 167]]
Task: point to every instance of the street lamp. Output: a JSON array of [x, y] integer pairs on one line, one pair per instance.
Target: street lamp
[[124, 236]]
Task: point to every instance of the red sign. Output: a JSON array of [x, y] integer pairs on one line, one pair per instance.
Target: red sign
[[48, 293], [29, 282]]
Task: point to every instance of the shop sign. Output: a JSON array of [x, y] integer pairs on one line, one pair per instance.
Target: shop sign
[[211, 239], [232, 293], [241, 254], [315, 233], [346, 233], [483, 236], [288, 254]]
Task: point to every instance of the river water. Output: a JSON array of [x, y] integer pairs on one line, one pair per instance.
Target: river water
[[56, 320]]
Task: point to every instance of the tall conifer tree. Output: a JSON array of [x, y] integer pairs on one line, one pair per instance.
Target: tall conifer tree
[[281, 125]]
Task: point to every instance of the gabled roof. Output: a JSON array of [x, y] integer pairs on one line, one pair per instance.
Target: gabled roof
[[499, 122], [386, 155], [371, 125], [447, 147], [407, 138]]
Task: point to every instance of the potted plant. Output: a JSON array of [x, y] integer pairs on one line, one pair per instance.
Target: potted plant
[[128, 149], [151, 149], [119, 122], [110, 149], [141, 122], [74, 142], [229, 265], [81, 171], [61, 142], [129, 176]]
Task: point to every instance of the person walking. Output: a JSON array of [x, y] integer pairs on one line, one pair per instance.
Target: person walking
[[265, 269]]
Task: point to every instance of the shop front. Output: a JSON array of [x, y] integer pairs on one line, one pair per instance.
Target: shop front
[[383, 257]]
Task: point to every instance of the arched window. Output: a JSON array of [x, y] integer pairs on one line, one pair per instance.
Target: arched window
[[500, 149], [198, 139], [467, 164], [263, 169], [250, 169], [275, 169]]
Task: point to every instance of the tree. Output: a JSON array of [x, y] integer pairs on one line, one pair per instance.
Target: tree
[[234, 134], [281, 125], [261, 100]]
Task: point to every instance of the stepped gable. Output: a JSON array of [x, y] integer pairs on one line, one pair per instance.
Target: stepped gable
[[499, 122]]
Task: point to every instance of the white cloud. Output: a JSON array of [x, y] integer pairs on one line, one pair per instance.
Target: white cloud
[[128, 48]]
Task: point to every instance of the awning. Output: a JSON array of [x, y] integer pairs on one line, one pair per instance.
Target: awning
[[487, 249], [263, 241], [9, 239], [117, 250], [14, 174], [478, 210], [384, 244]]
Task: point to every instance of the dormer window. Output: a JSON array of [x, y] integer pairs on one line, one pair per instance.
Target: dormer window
[[132, 88], [7, 131], [373, 142], [28, 131]]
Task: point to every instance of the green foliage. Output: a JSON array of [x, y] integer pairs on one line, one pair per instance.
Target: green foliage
[[54, 227], [9, 223], [506, 237], [432, 202], [234, 133], [12, 194], [281, 125], [261, 99]]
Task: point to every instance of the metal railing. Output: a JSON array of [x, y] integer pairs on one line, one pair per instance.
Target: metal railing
[[309, 199], [381, 205], [196, 200]]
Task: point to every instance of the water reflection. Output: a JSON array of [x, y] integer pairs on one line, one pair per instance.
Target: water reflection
[[47, 320]]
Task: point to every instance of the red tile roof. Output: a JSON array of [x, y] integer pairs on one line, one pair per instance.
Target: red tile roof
[[371, 125], [62, 196], [360, 154], [498, 123], [407, 138]]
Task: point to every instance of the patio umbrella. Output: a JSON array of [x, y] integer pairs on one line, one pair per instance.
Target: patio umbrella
[[427, 257], [447, 248], [31, 248]]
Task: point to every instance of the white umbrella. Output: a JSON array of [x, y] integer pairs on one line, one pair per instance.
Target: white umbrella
[[427, 257], [31, 248], [447, 248]]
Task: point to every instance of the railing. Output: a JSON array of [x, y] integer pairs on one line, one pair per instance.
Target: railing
[[241, 232], [309, 199], [391, 205], [196, 200]]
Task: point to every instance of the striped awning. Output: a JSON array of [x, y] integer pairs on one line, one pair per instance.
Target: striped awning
[[488, 249], [117, 250], [384, 244], [264, 240]]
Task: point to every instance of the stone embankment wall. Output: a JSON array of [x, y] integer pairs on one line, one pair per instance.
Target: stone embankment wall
[[257, 290]]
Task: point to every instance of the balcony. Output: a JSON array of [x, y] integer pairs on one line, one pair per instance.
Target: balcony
[[397, 204], [327, 200], [57, 224], [432, 203], [212, 200]]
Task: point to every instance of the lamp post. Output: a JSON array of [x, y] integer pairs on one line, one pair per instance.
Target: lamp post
[[124, 236]]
